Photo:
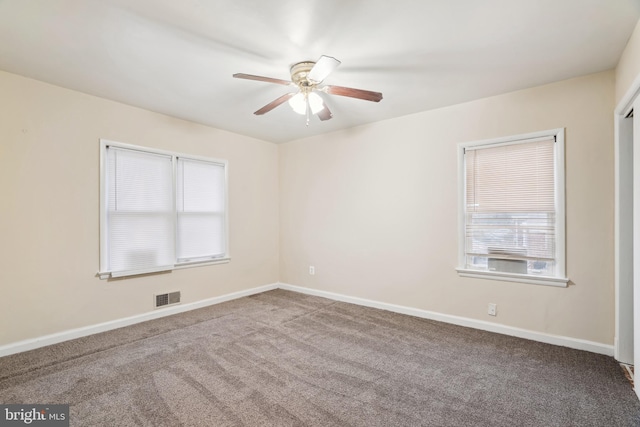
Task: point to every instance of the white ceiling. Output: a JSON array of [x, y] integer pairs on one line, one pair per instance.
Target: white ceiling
[[177, 57]]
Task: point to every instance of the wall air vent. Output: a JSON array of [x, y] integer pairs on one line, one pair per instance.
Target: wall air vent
[[163, 300]]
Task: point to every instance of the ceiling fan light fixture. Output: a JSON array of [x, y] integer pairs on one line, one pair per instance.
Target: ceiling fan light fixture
[[299, 104], [307, 76], [315, 103]]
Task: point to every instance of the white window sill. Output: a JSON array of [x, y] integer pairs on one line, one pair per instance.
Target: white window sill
[[201, 263], [513, 277], [103, 275]]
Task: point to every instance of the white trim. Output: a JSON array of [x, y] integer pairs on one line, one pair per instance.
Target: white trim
[[561, 236], [559, 169], [626, 103], [623, 266], [159, 269], [59, 337], [525, 137], [623, 238], [513, 277], [182, 265], [102, 245], [103, 273], [462, 202], [563, 341], [636, 236], [501, 142], [122, 145]]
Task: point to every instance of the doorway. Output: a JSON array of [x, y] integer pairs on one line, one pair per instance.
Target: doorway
[[627, 229]]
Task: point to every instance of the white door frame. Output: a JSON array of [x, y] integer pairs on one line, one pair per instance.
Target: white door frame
[[623, 346], [627, 228]]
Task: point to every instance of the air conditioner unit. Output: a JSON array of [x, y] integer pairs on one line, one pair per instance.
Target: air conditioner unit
[[508, 265]]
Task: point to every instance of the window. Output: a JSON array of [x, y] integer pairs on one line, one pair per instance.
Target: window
[[512, 208], [160, 210]]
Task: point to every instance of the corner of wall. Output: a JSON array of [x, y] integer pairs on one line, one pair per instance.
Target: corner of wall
[[628, 68]]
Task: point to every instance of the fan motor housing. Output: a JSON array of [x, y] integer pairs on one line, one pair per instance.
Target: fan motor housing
[[299, 73]]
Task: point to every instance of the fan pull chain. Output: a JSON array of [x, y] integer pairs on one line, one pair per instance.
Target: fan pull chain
[[307, 108]]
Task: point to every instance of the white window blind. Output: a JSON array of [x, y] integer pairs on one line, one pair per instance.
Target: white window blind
[[510, 216], [139, 211], [160, 210], [200, 209]]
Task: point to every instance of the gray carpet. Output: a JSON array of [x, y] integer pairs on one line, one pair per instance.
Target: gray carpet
[[286, 359]]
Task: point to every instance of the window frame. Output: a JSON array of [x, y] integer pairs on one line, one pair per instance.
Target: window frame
[[104, 273], [560, 278]]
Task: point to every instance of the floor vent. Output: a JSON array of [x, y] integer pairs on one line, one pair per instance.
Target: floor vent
[[171, 298]]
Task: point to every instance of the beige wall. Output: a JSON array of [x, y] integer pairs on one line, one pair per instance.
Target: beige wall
[[374, 209], [49, 183], [629, 65]]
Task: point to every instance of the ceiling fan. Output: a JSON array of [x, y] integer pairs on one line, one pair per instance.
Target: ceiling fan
[[307, 76]]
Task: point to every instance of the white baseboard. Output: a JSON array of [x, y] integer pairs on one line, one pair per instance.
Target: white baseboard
[[43, 341], [559, 340]]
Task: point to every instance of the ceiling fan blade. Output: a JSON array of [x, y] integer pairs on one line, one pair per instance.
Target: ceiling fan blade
[[262, 79], [273, 104], [325, 113], [367, 95], [323, 67]]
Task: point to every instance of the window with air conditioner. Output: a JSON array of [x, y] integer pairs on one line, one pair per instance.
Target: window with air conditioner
[[512, 222], [160, 210]]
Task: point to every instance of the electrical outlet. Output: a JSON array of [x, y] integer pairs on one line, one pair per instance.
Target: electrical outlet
[[312, 270], [493, 309]]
